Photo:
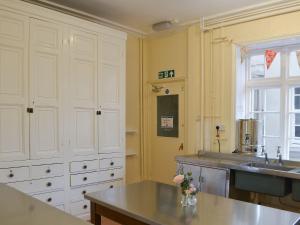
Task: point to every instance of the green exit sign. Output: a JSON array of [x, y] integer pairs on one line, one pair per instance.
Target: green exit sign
[[166, 74]]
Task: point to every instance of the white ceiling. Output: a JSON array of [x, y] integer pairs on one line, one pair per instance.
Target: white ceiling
[[141, 14]]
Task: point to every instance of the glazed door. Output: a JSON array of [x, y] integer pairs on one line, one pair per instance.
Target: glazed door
[[14, 121], [167, 130]]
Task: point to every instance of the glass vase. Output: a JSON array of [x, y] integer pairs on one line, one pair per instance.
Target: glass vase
[[188, 200]]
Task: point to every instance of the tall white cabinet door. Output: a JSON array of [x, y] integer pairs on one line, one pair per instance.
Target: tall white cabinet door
[[111, 94], [14, 122], [45, 89], [83, 86]]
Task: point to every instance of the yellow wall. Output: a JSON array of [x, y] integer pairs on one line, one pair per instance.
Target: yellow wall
[[133, 162]]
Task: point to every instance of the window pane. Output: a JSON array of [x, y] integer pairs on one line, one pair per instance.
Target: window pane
[[271, 145], [273, 100], [294, 148], [258, 67], [294, 66], [297, 119], [297, 102], [297, 91], [297, 131], [272, 124], [258, 100]]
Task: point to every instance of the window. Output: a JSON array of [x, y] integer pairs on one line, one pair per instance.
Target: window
[[273, 98]]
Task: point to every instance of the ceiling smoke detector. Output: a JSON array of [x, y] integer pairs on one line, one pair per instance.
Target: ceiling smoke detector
[[164, 25]]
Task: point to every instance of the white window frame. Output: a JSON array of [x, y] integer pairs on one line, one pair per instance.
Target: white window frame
[[284, 82]]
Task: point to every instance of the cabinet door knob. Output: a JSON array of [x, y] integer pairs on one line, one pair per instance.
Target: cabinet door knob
[[111, 186], [112, 163], [84, 167], [49, 200], [11, 175], [85, 179], [48, 171], [83, 192], [85, 206], [112, 174], [48, 184]]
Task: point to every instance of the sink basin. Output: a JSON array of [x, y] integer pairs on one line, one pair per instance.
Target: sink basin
[[268, 166]]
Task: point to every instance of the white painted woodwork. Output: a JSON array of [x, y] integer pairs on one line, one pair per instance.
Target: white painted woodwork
[[65, 69], [14, 122], [83, 82], [45, 88]]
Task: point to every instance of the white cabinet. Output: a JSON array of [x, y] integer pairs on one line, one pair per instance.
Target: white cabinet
[[14, 122], [46, 79], [83, 92]]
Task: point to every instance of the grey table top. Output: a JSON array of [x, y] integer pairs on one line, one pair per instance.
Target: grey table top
[[237, 162], [159, 204], [17, 208]]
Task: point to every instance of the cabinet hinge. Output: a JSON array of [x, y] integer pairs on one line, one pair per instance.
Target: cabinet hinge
[[30, 110], [98, 112]]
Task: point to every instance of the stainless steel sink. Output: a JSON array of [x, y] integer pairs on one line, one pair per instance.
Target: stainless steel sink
[[268, 166]]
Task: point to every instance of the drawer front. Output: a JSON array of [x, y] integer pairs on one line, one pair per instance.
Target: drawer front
[[47, 184], [82, 207], [24, 186], [85, 178], [111, 174], [84, 166], [111, 163], [61, 207], [52, 198], [51, 170], [14, 174], [77, 194]]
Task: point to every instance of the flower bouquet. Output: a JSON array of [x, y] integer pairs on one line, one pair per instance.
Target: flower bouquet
[[188, 190]]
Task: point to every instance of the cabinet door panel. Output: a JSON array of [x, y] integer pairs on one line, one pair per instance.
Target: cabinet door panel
[[83, 86], [46, 79], [14, 121], [213, 181], [110, 131], [111, 50]]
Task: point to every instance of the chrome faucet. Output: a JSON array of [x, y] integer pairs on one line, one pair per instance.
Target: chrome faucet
[[266, 159], [279, 156], [262, 150]]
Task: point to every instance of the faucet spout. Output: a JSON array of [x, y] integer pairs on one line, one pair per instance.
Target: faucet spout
[[266, 159]]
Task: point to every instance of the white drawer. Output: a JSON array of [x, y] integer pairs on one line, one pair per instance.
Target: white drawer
[[61, 207], [111, 174], [23, 186], [14, 174], [52, 198], [82, 207], [83, 166], [47, 184], [51, 170], [77, 194], [85, 178], [111, 163]]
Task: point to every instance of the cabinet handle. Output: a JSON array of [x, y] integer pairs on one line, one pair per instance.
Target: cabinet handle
[[85, 179], [11, 175], [84, 167], [48, 171], [49, 184], [112, 174], [112, 163], [49, 200], [111, 186], [85, 207], [84, 192], [30, 110], [98, 112]]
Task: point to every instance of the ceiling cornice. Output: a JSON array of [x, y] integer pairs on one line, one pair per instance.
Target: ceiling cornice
[[86, 16], [251, 13]]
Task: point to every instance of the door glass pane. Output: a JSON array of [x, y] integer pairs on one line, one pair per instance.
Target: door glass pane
[[272, 124], [273, 100], [294, 65], [257, 66], [297, 102], [294, 148]]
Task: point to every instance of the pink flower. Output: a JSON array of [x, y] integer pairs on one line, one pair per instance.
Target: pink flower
[[192, 189], [178, 179]]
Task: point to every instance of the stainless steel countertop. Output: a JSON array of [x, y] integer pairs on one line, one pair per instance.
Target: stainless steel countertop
[[159, 204], [237, 162], [17, 208]]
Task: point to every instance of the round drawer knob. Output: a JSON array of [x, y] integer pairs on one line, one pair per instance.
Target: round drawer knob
[[49, 200], [112, 163], [84, 167], [49, 184], [84, 192], [112, 174], [48, 171], [85, 206], [11, 175], [111, 186], [85, 179]]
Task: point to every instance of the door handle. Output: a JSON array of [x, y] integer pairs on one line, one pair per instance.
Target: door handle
[[180, 147]]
